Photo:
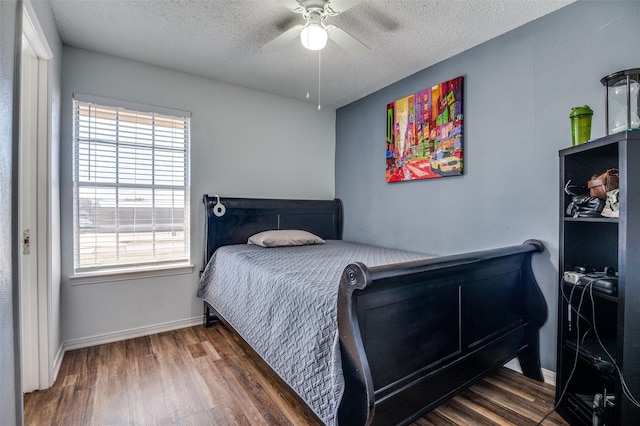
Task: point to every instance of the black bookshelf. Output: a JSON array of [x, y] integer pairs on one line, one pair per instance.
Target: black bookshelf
[[599, 332]]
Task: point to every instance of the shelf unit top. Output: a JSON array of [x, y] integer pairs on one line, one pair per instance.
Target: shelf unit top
[[633, 134]]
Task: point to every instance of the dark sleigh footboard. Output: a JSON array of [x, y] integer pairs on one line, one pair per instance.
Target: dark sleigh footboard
[[415, 334]]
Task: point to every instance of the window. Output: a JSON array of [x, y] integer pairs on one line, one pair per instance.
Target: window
[[131, 186]]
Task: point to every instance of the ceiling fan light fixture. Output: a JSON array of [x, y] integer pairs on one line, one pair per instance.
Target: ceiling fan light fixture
[[314, 36]]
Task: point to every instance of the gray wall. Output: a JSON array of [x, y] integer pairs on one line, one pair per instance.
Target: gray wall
[[243, 143], [519, 90], [10, 384]]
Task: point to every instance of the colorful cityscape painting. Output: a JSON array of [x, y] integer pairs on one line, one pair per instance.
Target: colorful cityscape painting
[[424, 134]]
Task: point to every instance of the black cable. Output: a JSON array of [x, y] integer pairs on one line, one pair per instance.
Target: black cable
[[575, 360], [564, 296], [625, 389], [588, 285]]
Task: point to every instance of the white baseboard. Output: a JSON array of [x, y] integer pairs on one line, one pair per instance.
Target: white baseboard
[[57, 363], [117, 336], [548, 375]]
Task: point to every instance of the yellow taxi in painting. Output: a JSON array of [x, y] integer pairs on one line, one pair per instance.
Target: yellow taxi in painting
[[443, 162]]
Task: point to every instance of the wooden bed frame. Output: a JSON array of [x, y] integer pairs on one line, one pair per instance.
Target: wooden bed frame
[[412, 334]]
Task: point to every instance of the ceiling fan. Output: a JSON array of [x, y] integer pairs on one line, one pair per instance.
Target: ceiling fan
[[314, 33]]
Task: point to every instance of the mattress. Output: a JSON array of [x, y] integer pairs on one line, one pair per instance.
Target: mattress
[[283, 302]]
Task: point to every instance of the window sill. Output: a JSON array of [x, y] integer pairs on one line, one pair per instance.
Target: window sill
[[130, 274]]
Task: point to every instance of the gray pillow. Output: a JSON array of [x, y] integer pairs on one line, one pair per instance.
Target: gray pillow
[[284, 238]]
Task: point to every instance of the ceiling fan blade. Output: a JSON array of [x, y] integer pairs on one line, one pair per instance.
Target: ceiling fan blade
[[346, 41], [291, 4], [339, 6], [283, 39]]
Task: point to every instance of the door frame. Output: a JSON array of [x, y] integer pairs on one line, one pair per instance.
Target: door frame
[[37, 313]]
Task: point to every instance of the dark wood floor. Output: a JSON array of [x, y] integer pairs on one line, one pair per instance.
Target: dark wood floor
[[203, 376]]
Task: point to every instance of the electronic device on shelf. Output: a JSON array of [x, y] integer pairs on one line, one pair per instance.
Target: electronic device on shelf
[[602, 404], [598, 354], [605, 281]]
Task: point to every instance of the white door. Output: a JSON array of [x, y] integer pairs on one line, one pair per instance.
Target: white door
[[33, 207], [28, 203]]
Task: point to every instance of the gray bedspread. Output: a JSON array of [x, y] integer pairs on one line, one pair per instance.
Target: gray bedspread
[[283, 301]]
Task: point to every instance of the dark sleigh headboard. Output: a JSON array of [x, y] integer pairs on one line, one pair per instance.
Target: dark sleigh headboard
[[247, 216]]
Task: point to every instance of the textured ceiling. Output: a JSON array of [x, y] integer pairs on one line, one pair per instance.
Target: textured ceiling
[[221, 39]]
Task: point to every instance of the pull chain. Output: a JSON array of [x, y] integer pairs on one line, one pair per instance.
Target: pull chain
[[309, 80], [319, 55]]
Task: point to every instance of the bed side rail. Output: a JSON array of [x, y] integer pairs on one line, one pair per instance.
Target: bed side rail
[[414, 334]]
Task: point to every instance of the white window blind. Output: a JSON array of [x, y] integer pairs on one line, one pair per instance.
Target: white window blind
[[131, 187]]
